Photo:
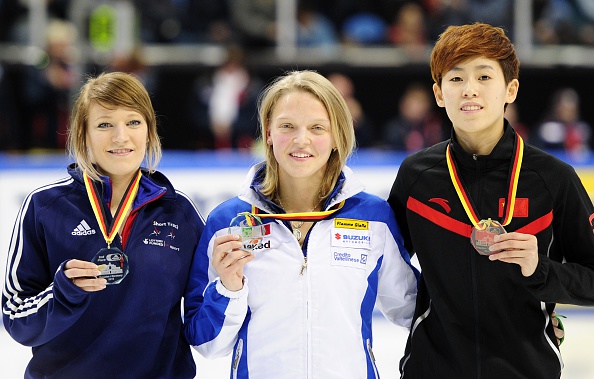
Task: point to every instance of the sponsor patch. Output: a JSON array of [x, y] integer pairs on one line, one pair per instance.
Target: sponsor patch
[[349, 259], [348, 223], [358, 239]]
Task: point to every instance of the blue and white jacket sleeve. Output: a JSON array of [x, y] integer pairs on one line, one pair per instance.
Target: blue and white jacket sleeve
[[38, 304], [213, 314], [397, 283]]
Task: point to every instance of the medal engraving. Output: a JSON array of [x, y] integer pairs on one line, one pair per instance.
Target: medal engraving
[[113, 264]]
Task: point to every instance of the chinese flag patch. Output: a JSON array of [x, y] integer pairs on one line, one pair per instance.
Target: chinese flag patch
[[520, 209]]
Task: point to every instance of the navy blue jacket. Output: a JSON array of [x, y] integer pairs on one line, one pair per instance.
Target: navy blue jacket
[[129, 330]]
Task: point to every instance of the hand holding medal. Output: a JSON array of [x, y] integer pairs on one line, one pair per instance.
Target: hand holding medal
[[484, 231], [250, 228], [482, 235]]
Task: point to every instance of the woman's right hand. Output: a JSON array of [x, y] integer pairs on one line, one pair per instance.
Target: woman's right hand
[[84, 275], [228, 260]]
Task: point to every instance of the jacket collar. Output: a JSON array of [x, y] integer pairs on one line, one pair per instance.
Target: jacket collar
[[346, 187], [501, 153], [152, 186]]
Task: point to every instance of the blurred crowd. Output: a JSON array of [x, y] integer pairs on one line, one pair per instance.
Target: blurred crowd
[[221, 107]]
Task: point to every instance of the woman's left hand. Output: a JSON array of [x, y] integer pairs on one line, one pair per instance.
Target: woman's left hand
[[518, 248]]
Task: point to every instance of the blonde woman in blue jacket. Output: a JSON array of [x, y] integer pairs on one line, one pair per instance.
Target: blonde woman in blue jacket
[[98, 261], [297, 302]]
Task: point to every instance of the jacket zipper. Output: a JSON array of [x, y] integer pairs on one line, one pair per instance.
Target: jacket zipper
[[303, 266], [372, 357], [238, 352]]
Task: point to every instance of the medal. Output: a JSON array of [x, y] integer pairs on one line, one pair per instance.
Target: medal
[[111, 261], [484, 230], [482, 235], [250, 228]]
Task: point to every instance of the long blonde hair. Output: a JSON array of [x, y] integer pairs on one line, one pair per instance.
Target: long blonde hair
[[341, 123], [114, 89]]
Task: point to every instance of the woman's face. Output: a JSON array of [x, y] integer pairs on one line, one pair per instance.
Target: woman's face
[[474, 94], [301, 136], [117, 140]]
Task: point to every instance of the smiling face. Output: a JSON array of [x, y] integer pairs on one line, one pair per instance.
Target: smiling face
[[474, 94], [117, 140], [301, 137]]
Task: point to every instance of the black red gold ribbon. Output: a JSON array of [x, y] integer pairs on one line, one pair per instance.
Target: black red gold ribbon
[[301, 216], [514, 176], [110, 231]]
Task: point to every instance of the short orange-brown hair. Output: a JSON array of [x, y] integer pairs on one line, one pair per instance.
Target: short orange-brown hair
[[460, 43]]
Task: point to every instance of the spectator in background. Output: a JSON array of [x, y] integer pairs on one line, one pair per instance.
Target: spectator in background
[[563, 129], [365, 28], [444, 12], [133, 62], [48, 87], [512, 115], [11, 12], [9, 129], [417, 125], [564, 22], [206, 21], [314, 29], [409, 30], [364, 129], [255, 22], [223, 108], [456, 12]]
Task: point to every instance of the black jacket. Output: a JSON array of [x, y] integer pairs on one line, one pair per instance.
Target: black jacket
[[477, 318]]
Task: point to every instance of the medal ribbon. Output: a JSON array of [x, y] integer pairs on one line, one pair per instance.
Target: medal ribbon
[[301, 216], [514, 176], [109, 231], [250, 218]]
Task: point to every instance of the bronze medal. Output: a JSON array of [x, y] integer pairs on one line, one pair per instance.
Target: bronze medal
[[482, 235]]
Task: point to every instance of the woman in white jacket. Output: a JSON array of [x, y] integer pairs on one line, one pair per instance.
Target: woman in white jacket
[[297, 301]]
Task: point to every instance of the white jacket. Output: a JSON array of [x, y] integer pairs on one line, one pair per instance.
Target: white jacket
[[315, 323]]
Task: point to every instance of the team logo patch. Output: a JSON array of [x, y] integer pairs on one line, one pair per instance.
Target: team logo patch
[[348, 223], [163, 234]]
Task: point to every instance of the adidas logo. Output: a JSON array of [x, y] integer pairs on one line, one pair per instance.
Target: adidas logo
[[83, 229]]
